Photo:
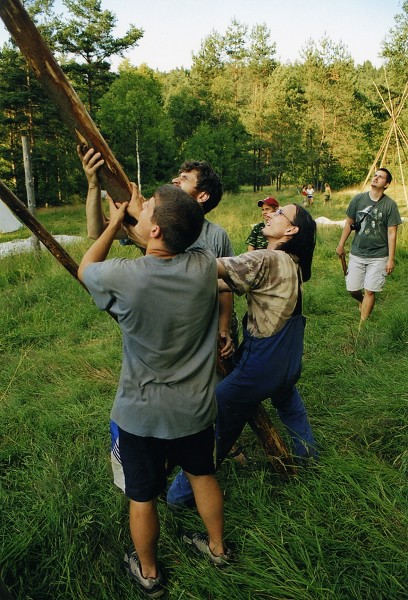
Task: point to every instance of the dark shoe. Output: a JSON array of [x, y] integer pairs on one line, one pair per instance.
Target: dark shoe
[[151, 586], [199, 543], [309, 459]]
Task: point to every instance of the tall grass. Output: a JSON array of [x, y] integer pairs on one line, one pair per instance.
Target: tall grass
[[336, 531]]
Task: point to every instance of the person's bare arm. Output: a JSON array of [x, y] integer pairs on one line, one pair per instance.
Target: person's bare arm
[[226, 306], [224, 323], [100, 248], [96, 220], [222, 273], [392, 244], [344, 236]]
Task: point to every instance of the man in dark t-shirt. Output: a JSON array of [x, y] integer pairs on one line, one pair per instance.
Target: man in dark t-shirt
[[374, 217]]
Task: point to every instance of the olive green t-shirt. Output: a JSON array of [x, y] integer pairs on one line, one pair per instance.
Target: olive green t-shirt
[[375, 217]]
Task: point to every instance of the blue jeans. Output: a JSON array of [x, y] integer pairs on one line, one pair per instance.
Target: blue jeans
[[267, 368]]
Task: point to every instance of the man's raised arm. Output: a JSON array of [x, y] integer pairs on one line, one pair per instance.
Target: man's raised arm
[[95, 219]]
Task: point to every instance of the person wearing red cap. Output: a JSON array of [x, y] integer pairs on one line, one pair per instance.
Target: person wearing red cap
[[256, 240]]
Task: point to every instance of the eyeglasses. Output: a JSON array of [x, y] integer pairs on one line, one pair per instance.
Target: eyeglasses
[[279, 211]]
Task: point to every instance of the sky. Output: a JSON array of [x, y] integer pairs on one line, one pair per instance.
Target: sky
[[175, 29]]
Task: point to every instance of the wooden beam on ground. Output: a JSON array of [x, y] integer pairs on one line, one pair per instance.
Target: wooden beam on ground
[[72, 111], [275, 448]]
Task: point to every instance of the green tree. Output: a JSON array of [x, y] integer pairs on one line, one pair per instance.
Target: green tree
[[87, 36], [224, 147], [186, 112], [261, 55], [253, 102], [284, 121], [138, 129], [395, 88], [395, 46], [24, 108], [232, 71], [208, 62], [331, 135], [14, 115]]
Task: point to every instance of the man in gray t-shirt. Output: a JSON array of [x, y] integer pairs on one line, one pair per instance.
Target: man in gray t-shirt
[[166, 304], [167, 311]]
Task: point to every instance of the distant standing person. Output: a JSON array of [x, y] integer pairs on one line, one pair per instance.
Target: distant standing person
[[327, 193], [309, 194], [256, 240], [374, 217]]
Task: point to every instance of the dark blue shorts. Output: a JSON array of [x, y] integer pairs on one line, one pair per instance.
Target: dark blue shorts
[[147, 461]]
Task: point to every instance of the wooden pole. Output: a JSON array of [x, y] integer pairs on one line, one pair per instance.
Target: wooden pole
[[394, 113], [29, 186], [72, 111], [275, 448], [343, 264], [25, 216]]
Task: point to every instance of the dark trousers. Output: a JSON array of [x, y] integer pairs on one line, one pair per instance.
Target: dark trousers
[[266, 368]]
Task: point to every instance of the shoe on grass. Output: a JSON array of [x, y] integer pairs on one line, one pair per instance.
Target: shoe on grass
[[199, 543], [151, 586]]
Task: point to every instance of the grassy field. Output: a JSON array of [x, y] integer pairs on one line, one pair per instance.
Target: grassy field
[[337, 531]]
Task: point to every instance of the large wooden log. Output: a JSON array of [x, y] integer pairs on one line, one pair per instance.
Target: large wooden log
[[275, 448], [72, 110], [343, 264]]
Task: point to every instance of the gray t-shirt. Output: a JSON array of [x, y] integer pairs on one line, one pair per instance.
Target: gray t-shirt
[[167, 310], [375, 217], [214, 238]]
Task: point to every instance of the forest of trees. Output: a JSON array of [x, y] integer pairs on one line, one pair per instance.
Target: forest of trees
[[259, 122]]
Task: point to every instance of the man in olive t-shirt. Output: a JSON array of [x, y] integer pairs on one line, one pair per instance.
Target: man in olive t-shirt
[[374, 217]]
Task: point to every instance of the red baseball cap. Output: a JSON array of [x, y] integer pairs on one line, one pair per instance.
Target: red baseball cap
[[270, 201]]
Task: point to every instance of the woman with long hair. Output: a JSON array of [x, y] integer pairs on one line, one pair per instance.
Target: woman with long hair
[[268, 362]]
